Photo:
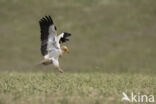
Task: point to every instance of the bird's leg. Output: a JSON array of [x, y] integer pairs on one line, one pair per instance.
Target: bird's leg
[[56, 64], [59, 69]]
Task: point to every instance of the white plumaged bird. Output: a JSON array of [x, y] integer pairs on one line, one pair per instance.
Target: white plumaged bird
[[50, 42]]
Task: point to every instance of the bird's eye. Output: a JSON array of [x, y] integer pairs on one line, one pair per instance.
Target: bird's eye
[[55, 28]]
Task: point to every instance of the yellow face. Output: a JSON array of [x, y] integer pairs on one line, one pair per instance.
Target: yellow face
[[65, 49]]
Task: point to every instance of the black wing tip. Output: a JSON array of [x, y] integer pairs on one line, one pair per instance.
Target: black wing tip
[[67, 34], [64, 38], [46, 20]]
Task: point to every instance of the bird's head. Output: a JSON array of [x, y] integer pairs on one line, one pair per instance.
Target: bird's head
[[65, 49]]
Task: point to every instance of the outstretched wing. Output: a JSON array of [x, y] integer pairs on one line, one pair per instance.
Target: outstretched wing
[[48, 34], [63, 37]]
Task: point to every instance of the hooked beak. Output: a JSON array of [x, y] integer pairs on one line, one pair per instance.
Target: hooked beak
[[67, 50]]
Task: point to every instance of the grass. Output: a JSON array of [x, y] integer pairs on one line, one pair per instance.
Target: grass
[[112, 50], [69, 88]]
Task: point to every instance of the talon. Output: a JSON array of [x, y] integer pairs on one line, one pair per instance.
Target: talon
[[61, 71]]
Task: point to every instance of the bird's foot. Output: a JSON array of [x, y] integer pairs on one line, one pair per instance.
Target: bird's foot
[[60, 70]]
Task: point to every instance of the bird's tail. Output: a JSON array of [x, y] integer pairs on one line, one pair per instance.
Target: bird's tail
[[45, 62]]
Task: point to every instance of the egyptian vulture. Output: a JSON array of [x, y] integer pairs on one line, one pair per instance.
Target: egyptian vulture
[[50, 42]]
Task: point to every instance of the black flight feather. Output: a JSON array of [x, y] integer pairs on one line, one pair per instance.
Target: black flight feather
[[45, 23], [64, 38]]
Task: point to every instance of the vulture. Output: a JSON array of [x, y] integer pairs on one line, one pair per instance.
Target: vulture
[[51, 48]]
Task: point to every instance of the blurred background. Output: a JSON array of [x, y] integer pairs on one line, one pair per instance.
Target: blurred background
[[107, 35]]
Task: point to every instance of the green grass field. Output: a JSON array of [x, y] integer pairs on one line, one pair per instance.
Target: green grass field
[[67, 88], [112, 50]]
